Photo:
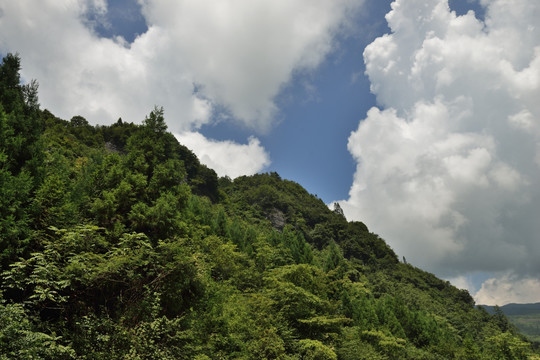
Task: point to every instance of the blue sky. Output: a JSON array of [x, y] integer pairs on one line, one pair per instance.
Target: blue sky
[[419, 117], [325, 114]]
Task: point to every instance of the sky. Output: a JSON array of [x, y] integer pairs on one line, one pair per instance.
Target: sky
[[420, 117]]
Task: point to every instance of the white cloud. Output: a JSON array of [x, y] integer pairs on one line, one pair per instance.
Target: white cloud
[[463, 282], [508, 289], [227, 158], [237, 53], [448, 172]]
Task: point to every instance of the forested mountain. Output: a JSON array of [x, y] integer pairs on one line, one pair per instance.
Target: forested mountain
[[526, 317], [117, 243], [514, 309]]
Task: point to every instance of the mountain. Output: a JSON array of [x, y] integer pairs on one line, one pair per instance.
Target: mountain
[[117, 243], [515, 309], [526, 317]]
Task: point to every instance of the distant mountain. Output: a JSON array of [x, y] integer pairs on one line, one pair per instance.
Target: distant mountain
[[526, 317], [515, 309]]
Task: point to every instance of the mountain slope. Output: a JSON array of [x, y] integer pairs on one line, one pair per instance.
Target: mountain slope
[[118, 244], [526, 317], [515, 309]]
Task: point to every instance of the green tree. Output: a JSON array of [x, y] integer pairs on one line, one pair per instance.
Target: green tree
[[506, 346], [19, 340], [155, 122], [315, 350], [334, 258], [15, 217], [21, 123], [11, 95]]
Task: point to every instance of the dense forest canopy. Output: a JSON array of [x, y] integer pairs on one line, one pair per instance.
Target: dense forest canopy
[[117, 243]]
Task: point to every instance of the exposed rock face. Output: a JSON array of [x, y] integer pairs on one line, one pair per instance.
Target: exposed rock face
[[277, 218], [109, 146]]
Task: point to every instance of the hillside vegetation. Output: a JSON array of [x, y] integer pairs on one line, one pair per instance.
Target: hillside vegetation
[[117, 243], [526, 317]]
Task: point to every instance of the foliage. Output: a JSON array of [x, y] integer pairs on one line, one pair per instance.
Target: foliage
[[116, 243]]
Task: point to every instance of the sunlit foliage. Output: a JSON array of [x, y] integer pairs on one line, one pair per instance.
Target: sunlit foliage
[[116, 243]]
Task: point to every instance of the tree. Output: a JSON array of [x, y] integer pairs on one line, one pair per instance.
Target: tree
[[155, 122], [334, 259], [11, 95], [30, 96], [19, 339], [500, 319], [78, 121], [14, 211], [315, 350], [338, 210]]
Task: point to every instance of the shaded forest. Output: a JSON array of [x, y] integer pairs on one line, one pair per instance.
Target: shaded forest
[[117, 243]]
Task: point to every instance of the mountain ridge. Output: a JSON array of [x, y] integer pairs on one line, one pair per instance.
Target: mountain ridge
[[117, 243], [526, 317], [515, 308]]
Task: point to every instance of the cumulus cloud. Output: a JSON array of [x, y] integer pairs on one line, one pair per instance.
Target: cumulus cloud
[[227, 158], [464, 282], [448, 168], [508, 289], [98, 78], [194, 56]]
